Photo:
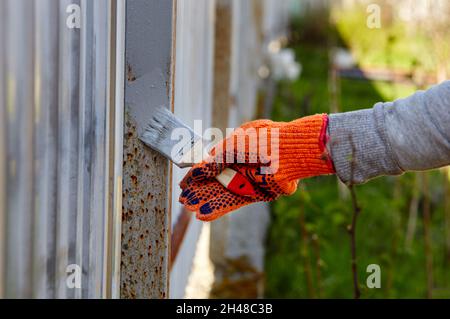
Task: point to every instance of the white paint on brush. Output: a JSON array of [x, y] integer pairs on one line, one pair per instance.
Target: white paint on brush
[[226, 177]]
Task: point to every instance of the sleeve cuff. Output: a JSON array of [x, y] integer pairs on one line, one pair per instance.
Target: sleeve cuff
[[359, 145]]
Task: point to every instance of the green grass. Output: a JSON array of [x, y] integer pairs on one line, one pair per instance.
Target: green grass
[[385, 201]]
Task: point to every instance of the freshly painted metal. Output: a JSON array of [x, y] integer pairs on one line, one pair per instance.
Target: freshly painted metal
[[60, 162]]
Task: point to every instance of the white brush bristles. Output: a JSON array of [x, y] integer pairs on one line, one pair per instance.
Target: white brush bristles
[[166, 134]]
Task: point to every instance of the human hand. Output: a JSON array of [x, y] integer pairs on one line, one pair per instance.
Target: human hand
[[272, 155]]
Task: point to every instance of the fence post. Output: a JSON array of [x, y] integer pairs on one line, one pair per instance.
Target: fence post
[[146, 174]]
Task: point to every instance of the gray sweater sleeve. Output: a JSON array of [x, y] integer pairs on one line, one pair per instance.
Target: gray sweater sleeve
[[405, 135]]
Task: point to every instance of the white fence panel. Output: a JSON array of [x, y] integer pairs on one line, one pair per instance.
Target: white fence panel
[[193, 94], [60, 110]]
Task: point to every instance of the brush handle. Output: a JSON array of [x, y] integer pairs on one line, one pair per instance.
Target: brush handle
[[235, 182]]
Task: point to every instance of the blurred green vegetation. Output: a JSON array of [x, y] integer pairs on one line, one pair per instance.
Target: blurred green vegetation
[[308, 246], [397, 43]]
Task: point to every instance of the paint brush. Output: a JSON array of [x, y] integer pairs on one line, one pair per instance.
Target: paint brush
[[187, 151]]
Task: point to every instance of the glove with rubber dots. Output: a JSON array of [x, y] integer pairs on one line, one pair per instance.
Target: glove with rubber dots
[[273, 158]]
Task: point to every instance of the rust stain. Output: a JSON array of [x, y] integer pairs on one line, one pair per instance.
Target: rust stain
[[130, 75], [145, 227]]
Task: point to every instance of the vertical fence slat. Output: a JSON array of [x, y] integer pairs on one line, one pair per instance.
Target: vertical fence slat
[[85, 148], [146, 182], [193, 100], [67, 149], [117, 62], [45, 138], [3, 135], [100, 119], [19, 117]]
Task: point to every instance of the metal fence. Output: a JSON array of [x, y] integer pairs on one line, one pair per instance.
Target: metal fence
[[61, 74], [80, 195]]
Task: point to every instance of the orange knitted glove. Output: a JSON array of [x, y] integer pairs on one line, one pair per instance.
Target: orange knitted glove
[[274, 157]]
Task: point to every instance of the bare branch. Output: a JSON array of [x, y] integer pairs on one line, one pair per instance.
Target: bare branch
[[352, 228]]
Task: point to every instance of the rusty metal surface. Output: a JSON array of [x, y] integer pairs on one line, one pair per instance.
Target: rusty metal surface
[[146, 183]]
